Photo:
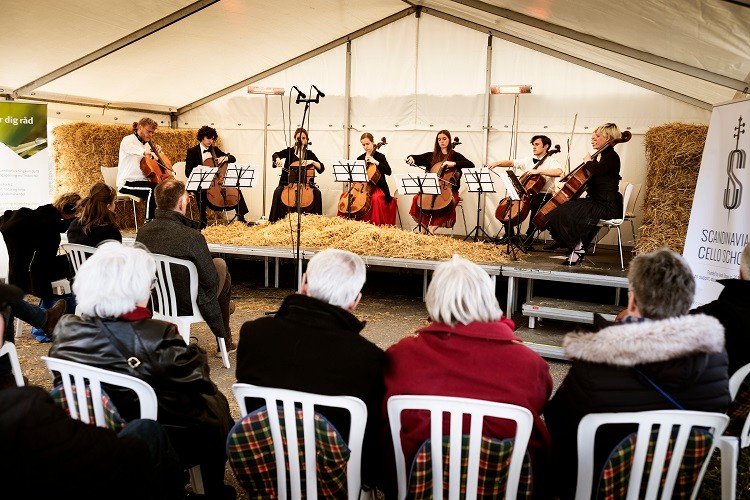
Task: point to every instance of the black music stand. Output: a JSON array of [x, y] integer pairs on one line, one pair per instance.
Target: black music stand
[[350, 171], [239, 176], [419, 184], [515, 191], [200, 179], [478, 181]]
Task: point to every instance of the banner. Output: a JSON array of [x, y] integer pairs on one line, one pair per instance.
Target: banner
[[720, 218], [24, 156]]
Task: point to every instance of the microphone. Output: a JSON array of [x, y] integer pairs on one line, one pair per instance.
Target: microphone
[[321, 94], [299, 92]]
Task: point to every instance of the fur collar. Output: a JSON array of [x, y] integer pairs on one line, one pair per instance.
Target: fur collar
[[630, 344]]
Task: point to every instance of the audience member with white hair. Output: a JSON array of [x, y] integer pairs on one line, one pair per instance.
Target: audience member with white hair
[[313, 344], [732, 308], [656, 357], [469, 350], [116, 332]]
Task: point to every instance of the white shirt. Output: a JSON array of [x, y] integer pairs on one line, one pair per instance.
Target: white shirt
[[129, 166], [526, 164]]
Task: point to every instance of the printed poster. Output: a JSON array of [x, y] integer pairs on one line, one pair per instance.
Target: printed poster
[[720, 218], [24, 156]]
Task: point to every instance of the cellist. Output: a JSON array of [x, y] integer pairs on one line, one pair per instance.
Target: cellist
[[384, 207], [573, 223], [130, 178], [284, 158], [199, 153], [549, 168], [442, 153]]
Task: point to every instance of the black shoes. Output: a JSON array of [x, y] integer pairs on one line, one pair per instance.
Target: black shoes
[[576, 257]]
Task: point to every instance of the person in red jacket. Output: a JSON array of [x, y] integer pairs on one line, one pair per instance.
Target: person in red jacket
[[469, 350]]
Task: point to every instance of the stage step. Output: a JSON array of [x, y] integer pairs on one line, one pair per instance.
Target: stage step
[[567, 310]]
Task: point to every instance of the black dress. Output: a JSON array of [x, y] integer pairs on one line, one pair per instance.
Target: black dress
[[278, 208], [575, 221]]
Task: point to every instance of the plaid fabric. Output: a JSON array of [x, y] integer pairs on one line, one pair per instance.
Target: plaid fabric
[[494, 461], [739, 409], [613, 482], [251, 455], [112, 418]]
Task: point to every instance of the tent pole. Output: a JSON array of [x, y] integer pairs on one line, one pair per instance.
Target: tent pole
[[487, 84]]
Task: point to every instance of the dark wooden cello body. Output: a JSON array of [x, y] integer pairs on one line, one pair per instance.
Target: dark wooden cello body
[[514, 214], [575, 185], [357, 201], [442, 203], [218, 196]]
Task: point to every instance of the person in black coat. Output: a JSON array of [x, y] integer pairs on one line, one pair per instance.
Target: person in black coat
[[113, 289], [617, 369], [95, 218], [731, 308], [313, 344], [573, 223], [201, 152]]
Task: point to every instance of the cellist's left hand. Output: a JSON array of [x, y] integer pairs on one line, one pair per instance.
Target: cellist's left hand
[[449, 163]]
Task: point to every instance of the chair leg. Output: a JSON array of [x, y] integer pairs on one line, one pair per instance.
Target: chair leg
[[224, 353], [632, 228], [135, 215], [196, 480], [729, 449], [619, 245], [19, 328]]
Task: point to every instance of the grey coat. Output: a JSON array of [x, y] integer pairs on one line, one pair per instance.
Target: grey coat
[[173, 234]]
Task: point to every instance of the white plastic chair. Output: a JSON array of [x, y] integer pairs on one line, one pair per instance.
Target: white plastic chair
[[630, 208], [164, 299], [9, 349], [77, 254], [179, 174], [110, 179], [616, 223], [730, 445], [661, 421], [308, 401], [457, 408]]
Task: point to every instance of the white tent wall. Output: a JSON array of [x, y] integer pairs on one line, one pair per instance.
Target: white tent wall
[[410, 79]]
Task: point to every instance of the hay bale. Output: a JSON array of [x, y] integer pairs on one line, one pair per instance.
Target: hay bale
[[319, 232], [673, 153], [81, 148]]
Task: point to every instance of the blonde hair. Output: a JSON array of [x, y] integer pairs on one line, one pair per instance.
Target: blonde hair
[[610, 130]]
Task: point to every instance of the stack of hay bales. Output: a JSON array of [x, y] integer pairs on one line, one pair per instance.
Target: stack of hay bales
[[673, 153]]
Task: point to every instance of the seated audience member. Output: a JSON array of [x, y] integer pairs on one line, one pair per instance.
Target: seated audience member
[[618, 369], [95, 218], [115, 332], [290, 349], [137, 462], [173, 234], [731, 308], [469, 351]]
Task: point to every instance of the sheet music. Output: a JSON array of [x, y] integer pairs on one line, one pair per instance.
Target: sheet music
[[509, 187], [414, 183]]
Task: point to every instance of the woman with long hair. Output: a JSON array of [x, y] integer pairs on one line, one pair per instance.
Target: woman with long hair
[[95, 219]]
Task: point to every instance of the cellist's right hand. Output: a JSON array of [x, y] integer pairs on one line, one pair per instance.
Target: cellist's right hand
[[279, 162], [410, 160]]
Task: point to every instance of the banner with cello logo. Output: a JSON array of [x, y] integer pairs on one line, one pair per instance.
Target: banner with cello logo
[[24, 158], [718, 230]]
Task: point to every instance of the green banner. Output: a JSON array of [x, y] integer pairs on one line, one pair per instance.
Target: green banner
[[23, 127]]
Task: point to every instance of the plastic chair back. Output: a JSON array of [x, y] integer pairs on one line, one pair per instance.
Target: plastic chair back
[[288, 399], [164, 298], [662, 423], [456, 408], [77, 254], [633, 200], [78, 375], [9, 349]]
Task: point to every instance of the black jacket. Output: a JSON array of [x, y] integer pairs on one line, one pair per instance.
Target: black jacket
[[312, 346], [194, 157], [385, 169], [96, 235], [684, 356], [33, 239]]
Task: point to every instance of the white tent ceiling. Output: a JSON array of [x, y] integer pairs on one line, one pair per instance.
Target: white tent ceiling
[[173, 55]]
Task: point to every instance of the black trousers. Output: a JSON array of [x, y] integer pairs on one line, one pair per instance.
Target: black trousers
[[200, 198], [144, 190]]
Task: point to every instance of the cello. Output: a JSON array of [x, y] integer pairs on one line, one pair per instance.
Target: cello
[[301, 174], [218, 196], [156, 170], [357, 201], [439, 204], [575, 184], [511, 214]]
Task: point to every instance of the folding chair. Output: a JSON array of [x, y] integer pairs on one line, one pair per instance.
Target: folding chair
[[457, 408], [305, 433], [669, 444], [164, 299]]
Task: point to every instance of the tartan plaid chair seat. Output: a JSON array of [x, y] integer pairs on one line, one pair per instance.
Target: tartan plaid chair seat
[[666, 458], [272, 459], [494, 463], [467, 465], [112, 418]]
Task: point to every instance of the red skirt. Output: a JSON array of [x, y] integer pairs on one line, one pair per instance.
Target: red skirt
[[380, 213], [445, 217]]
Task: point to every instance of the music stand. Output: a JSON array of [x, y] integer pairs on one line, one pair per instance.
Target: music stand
[[515, 191], [200, 178], [239, 176], [478, 181], [350, 171], [419, 184]]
